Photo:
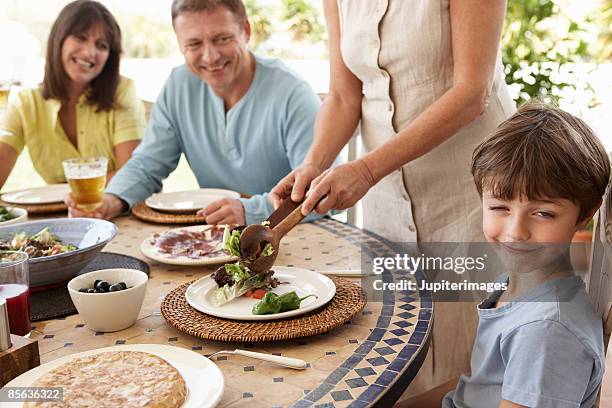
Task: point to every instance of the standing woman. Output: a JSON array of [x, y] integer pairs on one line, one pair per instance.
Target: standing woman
[[83, 108], [426, 80]]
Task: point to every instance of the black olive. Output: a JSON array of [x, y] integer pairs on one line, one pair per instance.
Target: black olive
[[91, 290], [123, 285], [115, 288], [83, 290], [96, 282], [102, 286]]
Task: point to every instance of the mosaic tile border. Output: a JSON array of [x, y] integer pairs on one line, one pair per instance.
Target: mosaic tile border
[[394, 374]]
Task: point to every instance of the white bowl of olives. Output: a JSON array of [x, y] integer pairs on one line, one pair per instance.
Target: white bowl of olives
[[109, 300]]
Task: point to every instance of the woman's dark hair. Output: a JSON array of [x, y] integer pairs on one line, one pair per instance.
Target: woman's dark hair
[[77, 18]]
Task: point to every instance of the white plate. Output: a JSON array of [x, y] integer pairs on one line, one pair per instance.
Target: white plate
[[188, 201], [302, 281], [52, 193], [21, 214], [203, 378], [149, 250]]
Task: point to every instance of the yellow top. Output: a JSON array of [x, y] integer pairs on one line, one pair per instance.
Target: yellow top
[[34, 122]]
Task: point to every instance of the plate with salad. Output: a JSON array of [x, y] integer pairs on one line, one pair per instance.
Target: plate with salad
[[233, 292], [12, 215]]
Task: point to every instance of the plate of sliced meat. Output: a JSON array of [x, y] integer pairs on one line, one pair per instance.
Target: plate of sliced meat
[[197, 245]]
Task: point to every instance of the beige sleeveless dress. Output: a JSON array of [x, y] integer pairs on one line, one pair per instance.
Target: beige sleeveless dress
[[401, 51]]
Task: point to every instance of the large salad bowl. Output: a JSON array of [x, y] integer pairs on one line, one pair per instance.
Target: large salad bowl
[[88, 235]]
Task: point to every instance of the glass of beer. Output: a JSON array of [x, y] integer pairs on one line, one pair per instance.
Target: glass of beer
[[5, 90], [87, 178]]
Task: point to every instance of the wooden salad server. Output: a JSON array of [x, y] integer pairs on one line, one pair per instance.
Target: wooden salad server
[[255, 237]]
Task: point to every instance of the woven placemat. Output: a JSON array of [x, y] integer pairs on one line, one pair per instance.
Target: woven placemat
[[57, 303], [38, 208], [348, 301], [145, 213]]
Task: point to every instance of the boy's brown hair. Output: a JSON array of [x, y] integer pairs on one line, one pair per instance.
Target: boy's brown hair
[[543, 152]]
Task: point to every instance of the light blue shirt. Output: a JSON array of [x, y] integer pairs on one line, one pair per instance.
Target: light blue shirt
[[544, 349], [248, 149]]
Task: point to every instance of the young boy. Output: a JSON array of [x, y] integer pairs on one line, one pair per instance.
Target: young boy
[[539, 343]]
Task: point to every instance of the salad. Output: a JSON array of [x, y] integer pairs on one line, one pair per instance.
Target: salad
[[235, 280], [231, 242], [273, 303], [43, 243], [5, 214]]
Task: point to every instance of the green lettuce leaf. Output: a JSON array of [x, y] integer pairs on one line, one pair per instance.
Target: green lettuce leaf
[[231, 241], [227, 293], [237, 272], [268, 250]]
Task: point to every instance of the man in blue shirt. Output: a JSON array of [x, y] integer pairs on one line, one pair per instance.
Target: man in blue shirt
[[243, 122]]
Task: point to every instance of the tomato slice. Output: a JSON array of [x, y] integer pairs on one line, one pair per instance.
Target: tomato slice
[[259, 293], [248, 293]]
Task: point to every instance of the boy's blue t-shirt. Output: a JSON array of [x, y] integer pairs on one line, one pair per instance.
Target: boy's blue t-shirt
[[544, 349]]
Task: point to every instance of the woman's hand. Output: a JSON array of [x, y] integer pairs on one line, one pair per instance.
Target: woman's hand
[[295, 184], [338, 188]]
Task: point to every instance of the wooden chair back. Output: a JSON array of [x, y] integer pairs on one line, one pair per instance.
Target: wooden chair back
[[600, 271], [600, 276]]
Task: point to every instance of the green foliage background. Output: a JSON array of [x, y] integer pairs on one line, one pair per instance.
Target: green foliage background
[[538, 39], [603, 20]]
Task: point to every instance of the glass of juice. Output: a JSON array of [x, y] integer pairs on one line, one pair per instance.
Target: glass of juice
[[87, 178], [14, 287]]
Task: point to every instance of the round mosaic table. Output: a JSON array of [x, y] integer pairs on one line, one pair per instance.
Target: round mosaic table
[[368, 361]]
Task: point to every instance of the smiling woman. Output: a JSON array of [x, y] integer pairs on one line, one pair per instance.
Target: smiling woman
[[84, 55], [83, 107]]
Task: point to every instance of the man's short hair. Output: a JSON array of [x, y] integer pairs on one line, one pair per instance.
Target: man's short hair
[[184, 6], [543, 152]]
